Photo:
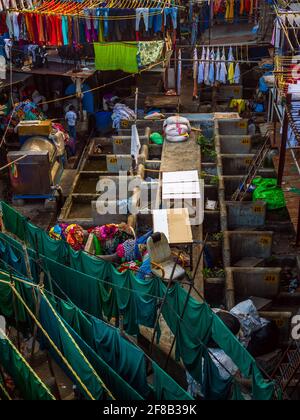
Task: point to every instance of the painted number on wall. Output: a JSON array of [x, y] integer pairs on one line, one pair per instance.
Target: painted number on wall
[[271, 278], [118, 141], [245, 141], [242, 124], [124, 123], [280, 322], [248, 161], [113, 160], [258, 209], [265, 241]]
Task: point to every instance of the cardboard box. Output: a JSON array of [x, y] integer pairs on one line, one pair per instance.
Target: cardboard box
[[34, 128]]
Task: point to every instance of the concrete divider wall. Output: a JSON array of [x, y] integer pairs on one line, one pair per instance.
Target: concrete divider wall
[[122, 144], [117, 163], [249, 244], [236, 144], [246, 214], [236, 164], [260, 282], [242, 282], [230, 127]]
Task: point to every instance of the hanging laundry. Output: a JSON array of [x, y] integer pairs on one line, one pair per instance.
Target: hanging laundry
[[218, 65], [201, 68], [229, 15], [231, 66], [195, 73], [116, 56], [179, 73], [223, 69], [135, 142], [206, 67], [211, 73], [237, 74], [239, 104], [150, 52]]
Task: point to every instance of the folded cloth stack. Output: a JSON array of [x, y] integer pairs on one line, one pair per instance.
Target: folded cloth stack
[[177, 129], [122, 112]]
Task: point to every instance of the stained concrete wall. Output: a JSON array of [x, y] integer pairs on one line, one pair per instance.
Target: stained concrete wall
[[236, 164], [247, 244], [246, 214], [122, 144], [236, 144], [233, 127], [260, 282]]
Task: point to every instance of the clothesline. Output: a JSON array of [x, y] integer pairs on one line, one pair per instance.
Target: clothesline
[[82, 9]]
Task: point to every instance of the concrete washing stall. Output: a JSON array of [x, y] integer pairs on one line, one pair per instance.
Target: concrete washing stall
[[247, 247]]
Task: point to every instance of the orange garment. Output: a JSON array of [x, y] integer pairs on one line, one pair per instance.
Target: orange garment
[[39, 20], [28, 20], [59, 35], [242, 7]]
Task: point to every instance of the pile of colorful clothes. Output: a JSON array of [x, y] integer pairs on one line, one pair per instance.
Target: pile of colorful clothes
[[73, 234], [108, 240], [23, 111], [108, 237]]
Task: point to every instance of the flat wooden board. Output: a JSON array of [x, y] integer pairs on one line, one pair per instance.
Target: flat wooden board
[[175, 224]]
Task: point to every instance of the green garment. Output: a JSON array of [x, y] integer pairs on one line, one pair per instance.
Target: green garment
[[116, 56], [63, 341], [214, 386], [262, 390], [165, 388], [13, 221], [25, 379], [3, 393]]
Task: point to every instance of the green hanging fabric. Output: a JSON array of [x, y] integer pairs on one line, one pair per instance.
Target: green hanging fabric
[[27, 382], [262, 390], [214, 387], [165, 388], [63, 341], [7, 298], [13, 221], [4, 395], [116, 56], [236, 392], [96, 287], [117, 385]]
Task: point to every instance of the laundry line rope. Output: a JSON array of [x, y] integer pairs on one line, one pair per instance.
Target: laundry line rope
[[76, 376], [24, 361]]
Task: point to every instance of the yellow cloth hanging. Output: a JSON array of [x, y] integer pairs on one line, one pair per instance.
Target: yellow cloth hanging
[[229, 15], [240, 104], [101, 36], [231, 73]]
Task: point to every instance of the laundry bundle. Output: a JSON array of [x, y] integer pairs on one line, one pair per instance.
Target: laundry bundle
[[177, 129], [122, 112]]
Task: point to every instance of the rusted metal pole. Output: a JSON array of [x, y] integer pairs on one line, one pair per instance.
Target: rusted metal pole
[[283, 144]]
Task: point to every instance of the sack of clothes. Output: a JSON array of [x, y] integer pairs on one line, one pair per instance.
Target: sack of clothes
[[177, 129]]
